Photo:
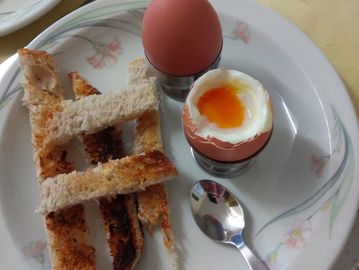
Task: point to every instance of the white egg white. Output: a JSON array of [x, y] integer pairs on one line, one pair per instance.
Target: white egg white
[[258, 116]]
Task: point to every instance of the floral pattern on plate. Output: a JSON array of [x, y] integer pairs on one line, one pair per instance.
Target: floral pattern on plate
[[36, 250], [301, 231], [241, 31], [106, 54]]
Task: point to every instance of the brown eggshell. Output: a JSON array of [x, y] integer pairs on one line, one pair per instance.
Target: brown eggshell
[[181, 37], [223, 151]]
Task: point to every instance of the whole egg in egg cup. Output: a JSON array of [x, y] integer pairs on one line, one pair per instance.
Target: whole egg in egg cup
[[227, 120], [182, 39], [177, 87]]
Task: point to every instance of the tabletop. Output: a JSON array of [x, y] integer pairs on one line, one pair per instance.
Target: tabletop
[[333, 25]]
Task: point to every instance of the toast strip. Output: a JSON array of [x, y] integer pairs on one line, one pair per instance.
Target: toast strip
[[120, 176], [66, 230], [153, 201], [124, 235], [119, 214], [93, 113], [153, 206]]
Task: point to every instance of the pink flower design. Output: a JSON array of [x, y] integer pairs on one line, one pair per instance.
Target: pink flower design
[[36, 250], [106, 54], [318, 164], [298, 235], [241, 31]]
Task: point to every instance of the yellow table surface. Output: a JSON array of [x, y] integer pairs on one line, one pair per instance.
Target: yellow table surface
[[333, 25]]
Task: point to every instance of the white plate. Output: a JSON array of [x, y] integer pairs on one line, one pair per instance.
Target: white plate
[[15, 14], [301, 195]]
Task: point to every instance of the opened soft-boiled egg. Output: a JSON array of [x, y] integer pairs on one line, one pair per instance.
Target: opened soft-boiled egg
[[227, 116]]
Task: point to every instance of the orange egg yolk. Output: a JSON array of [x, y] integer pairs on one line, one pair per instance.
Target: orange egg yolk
[[222, 107]]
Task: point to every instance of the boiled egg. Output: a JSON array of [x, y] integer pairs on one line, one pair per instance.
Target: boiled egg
[[227, 116], [181, 37]]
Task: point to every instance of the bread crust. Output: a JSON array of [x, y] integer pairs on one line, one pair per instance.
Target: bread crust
[[153, 205], [119, 214], [124, 235], [94, 113], [120, 176], [66, 230]]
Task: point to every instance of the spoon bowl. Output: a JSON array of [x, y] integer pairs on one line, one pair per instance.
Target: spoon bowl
[[220, 216]]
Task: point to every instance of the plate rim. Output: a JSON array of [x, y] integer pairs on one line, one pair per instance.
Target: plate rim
[[307, 44]]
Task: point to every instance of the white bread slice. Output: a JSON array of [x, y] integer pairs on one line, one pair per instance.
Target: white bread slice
[[120, 176], [93, 113], [119, 214], [66, 230], [138, 70], [153, 205]]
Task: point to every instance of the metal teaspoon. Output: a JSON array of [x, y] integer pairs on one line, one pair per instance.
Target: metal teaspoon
[[220, 216]]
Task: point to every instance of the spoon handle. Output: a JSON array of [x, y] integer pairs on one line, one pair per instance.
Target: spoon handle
[[253, 261]]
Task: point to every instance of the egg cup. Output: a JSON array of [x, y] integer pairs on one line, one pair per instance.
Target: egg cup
[[224, 162], [177, 87], [221, 169]]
